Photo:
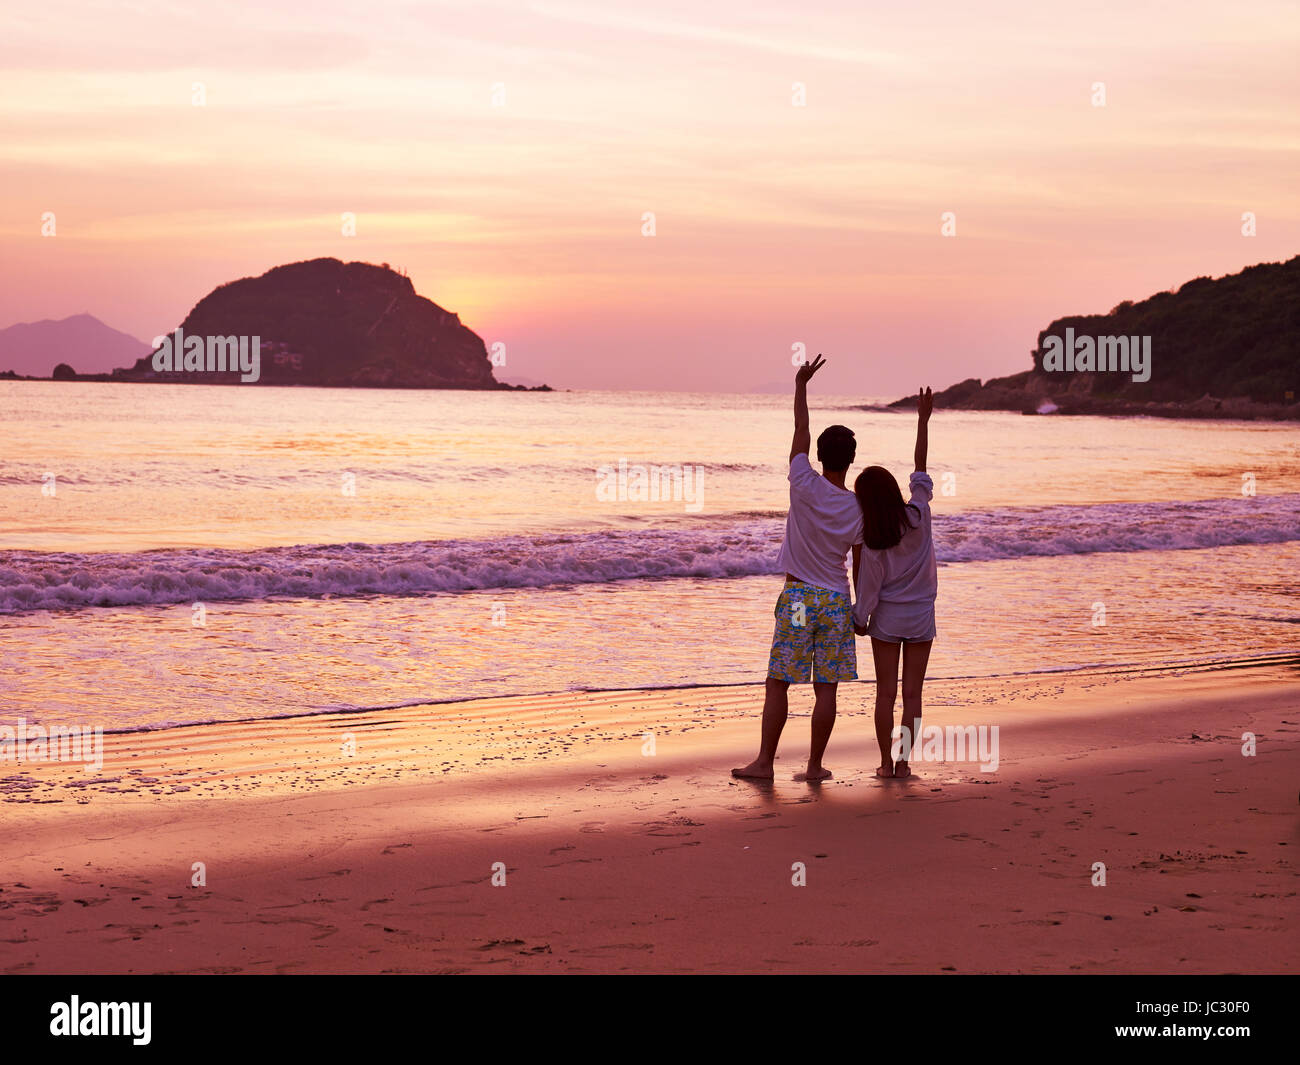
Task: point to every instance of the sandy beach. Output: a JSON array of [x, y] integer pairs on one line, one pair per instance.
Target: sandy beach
[[619, 860]]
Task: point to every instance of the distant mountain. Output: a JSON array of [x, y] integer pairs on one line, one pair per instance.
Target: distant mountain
[[33, 349], [327, 323], [1227, 347]]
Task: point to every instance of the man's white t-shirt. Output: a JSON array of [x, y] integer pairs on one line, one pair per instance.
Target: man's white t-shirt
[[823, 525]]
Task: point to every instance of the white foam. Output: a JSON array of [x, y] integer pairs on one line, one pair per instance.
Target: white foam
[[748, 547]]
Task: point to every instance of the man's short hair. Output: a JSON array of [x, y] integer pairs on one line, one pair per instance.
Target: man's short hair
[[836, 448]]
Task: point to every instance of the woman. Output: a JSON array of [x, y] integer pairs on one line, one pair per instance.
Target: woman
[[897, 580]]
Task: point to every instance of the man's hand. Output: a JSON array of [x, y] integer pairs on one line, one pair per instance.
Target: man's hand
[[802, 438], [924, 404], [861, 630], [808, 369]]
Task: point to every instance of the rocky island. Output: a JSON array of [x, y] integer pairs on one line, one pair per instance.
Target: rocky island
[[1216, 348], [323, 323]]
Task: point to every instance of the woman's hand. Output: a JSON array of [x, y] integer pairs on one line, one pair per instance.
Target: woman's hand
[[924, 404]]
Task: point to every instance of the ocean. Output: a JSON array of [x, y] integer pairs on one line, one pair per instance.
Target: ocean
[[178, 554]]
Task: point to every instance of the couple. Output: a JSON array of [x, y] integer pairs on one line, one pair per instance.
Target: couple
[[895, 581]]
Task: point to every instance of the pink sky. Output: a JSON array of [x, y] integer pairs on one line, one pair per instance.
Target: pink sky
[[776, 224]]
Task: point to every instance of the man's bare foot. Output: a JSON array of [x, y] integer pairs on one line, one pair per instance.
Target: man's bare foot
[[885, 771], [811, 775], [901, 769], [756, 770]]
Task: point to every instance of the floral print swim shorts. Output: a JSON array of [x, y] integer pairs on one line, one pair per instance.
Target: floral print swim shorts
[[814, 635]]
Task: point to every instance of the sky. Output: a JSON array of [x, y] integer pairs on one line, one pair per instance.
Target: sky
[[797, 161]]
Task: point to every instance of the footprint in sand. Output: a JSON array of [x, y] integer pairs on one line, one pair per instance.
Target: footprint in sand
[[501, 944], [324, 876], [676, 846]]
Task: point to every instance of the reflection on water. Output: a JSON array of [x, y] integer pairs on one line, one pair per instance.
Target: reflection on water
[[148, 666], [146, 466]]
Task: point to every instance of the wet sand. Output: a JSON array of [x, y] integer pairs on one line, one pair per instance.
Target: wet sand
[[366, 842]]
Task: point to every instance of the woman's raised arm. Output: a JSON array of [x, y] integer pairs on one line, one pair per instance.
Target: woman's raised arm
[[924, 406]]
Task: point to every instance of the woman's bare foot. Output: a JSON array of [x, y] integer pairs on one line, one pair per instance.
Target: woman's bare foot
[[812, 775], [756, 770], [885, 770], [901, 769]]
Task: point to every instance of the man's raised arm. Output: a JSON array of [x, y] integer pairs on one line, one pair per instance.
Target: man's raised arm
[[802, 436]]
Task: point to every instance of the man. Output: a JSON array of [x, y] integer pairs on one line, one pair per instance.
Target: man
[[814, 623]]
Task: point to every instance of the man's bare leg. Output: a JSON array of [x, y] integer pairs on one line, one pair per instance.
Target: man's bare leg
[[823, 721], [885, 656], [916, 656], [776, 708]]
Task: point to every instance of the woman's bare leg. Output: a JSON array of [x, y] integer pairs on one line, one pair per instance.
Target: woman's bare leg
[[916, 656], [885, 655]]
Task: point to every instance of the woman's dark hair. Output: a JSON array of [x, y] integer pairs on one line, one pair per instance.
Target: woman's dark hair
[[884, 514]]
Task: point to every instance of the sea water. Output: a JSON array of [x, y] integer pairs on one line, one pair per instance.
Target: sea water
[[179, 554]]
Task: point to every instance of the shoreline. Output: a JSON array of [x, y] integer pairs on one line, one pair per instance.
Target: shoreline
[[618, 861], [1092, 670], [1239, 411], [109, 379]]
